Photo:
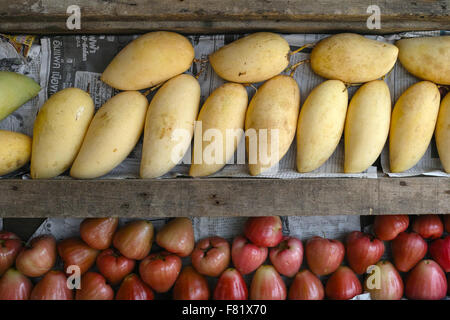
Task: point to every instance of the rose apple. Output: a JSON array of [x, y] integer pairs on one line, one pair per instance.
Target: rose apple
[[231, 286], [74, 251], [53, 286], [287, 257], [363, 250], [387, 227], [429, 226], [133, 288], [426, 282], [324, 256], [407, 250], [447, 222], [98, 232], [386, 285], [177, 237], [15, 286], [37, 259], [246, 256], [264, 231], [440, 252], [113, 266], [94, 287], [10, 246], [343, 284], [306, 286], [211, 256], [134, 240], [190, 285], [160, 270], [267, 285]]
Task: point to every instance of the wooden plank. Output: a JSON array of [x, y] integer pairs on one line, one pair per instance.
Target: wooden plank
[[223, 197], [212, 16]]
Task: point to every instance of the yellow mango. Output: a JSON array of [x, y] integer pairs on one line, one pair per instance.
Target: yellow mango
[[112, 135], [412, 125], [366, 126], [15, 151], [427, 58], [254, 58], [149, 60], [222, 115], [59, 131], [352, 58], [442, 134], [320, 124], [169, 125], [270, 122]]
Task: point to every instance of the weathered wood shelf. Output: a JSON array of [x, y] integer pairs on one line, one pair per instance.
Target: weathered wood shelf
[[231, 16], [223, 197]]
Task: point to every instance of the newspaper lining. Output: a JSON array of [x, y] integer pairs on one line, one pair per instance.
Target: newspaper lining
[[78, 60]]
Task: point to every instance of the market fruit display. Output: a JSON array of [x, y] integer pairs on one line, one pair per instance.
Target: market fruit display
[[204, 270], [15, 90], [15, 151], [254, 58], [169, 125], [149, 60], [366, 125], [222, 119], [59, 130], [352, 58], [387, 285], [113, 133], [442, 133], [320, 124], [427, 58], [412, 125], [272, 118]]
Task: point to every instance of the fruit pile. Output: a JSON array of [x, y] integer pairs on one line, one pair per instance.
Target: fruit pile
[[68, 134], [109, 262]]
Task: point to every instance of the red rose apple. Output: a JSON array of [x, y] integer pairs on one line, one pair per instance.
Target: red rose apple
[[287, 257], [407, 250], [363, 250], [343, 284], [306, 286], [10, 246], [74, 251], [387, 285], [98, 232], [267, 285], [211, 256], [440, 252], [113, 266], [177, 237], [387, 227], [37, 259], [160, 270], [426, 282], [324, 256], [264, 231], [429, 226], [94, 287], [246, 256], [231, 286], [134, 240], [190, 285], [15, 286], [53, 286], [133, 288]]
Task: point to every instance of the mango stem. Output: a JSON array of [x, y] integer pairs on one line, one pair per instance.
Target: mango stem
[[295, 66], [308, 45]]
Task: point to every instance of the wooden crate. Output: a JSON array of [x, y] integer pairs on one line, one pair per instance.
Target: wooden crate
[[220, 196]]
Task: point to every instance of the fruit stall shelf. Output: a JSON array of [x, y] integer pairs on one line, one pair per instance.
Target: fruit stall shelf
[[221, 196]]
